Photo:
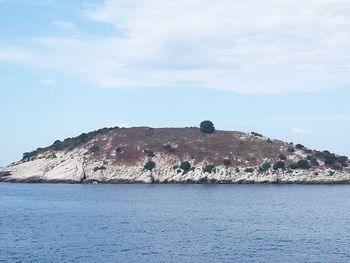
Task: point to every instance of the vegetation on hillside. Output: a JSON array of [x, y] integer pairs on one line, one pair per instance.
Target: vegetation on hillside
[[245, 152]]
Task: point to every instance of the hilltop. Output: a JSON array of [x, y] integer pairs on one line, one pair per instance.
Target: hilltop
[[177, 155]]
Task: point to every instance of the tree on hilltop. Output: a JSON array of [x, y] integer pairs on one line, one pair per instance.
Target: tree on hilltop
[[207, 127]]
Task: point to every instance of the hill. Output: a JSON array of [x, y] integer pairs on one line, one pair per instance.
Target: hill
[[176, 155]]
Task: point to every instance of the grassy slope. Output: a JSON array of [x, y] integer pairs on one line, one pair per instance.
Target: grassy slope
[[127, 145]]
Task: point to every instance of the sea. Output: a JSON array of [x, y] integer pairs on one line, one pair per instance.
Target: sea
[[174, 223]]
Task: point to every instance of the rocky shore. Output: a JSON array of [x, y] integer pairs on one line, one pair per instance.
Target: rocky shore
[[72, 167]]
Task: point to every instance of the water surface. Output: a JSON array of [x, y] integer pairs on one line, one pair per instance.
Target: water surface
[[174, 223]]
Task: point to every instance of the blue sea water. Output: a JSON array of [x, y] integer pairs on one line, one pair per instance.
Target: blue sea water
[[174, 223]]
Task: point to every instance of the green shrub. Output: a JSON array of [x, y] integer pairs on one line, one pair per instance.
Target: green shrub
[[208, 168], [207, 127], [97, 168], [303, 164], [299, 146], [249, 170], [279, 165], [330, 160], [331, 173], [28, 156], [342, 159], [57, 145], [119, 149], [313, 160], [282, 157], [94, 148], [185, 166], [264, 167], [169, 148], [293, 166], [237, 170], [150, 165], [256, 134], [82, 138], [227, 162], [291, 149], [149, 153], [307, 150]]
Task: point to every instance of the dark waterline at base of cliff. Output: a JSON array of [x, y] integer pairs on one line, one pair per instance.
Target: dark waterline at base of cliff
[[174, 223]]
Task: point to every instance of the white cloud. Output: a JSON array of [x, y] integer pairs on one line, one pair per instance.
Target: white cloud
[[14, 55], [64, 24], [249, 46], [300, 131]]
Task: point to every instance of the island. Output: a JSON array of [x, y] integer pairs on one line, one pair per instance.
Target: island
[[177, 155]]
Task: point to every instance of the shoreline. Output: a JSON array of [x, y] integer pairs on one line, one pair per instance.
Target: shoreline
[[34, 180]]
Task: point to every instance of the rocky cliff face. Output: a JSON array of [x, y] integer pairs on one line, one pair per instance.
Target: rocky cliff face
[[119, 156]]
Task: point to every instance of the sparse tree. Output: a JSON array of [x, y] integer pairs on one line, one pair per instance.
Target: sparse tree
[[264, 167], [208, 168], [227, 162], [282, 157], [150, 165], [207, 127], [279, 165], [185, 166]]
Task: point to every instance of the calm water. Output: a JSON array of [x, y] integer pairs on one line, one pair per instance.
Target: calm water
[[174, 223]]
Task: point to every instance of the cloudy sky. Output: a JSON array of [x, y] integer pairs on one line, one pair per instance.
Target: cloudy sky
[[277, 67]]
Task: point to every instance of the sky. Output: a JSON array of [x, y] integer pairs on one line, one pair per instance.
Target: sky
[[280, 68]]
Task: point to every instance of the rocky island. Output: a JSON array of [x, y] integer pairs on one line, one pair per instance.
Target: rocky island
[[176, 155]]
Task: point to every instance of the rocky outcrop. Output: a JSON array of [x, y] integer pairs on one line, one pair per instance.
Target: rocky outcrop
[[75, 167]]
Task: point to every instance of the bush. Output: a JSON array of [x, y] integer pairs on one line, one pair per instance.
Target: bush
[[330, 159], [319, 154], [119, 149], [256, 134], [291, 149], [313, 160], [249, 170], [94, 148], [293, 166], [169, 148], [299, 146], [207, 127], [97, 168], [227, 162], [57, 145], [82, 138], [149, 153], [303, 164], [237, 170], [208, 168], [307, 150], [28, 156], [150, 165], [279, 165], [185, 166], [282, 157], [342, 159], [331, 173], [264, 167]]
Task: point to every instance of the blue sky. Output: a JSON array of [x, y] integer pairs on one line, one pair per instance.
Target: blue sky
[[278, 68]]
